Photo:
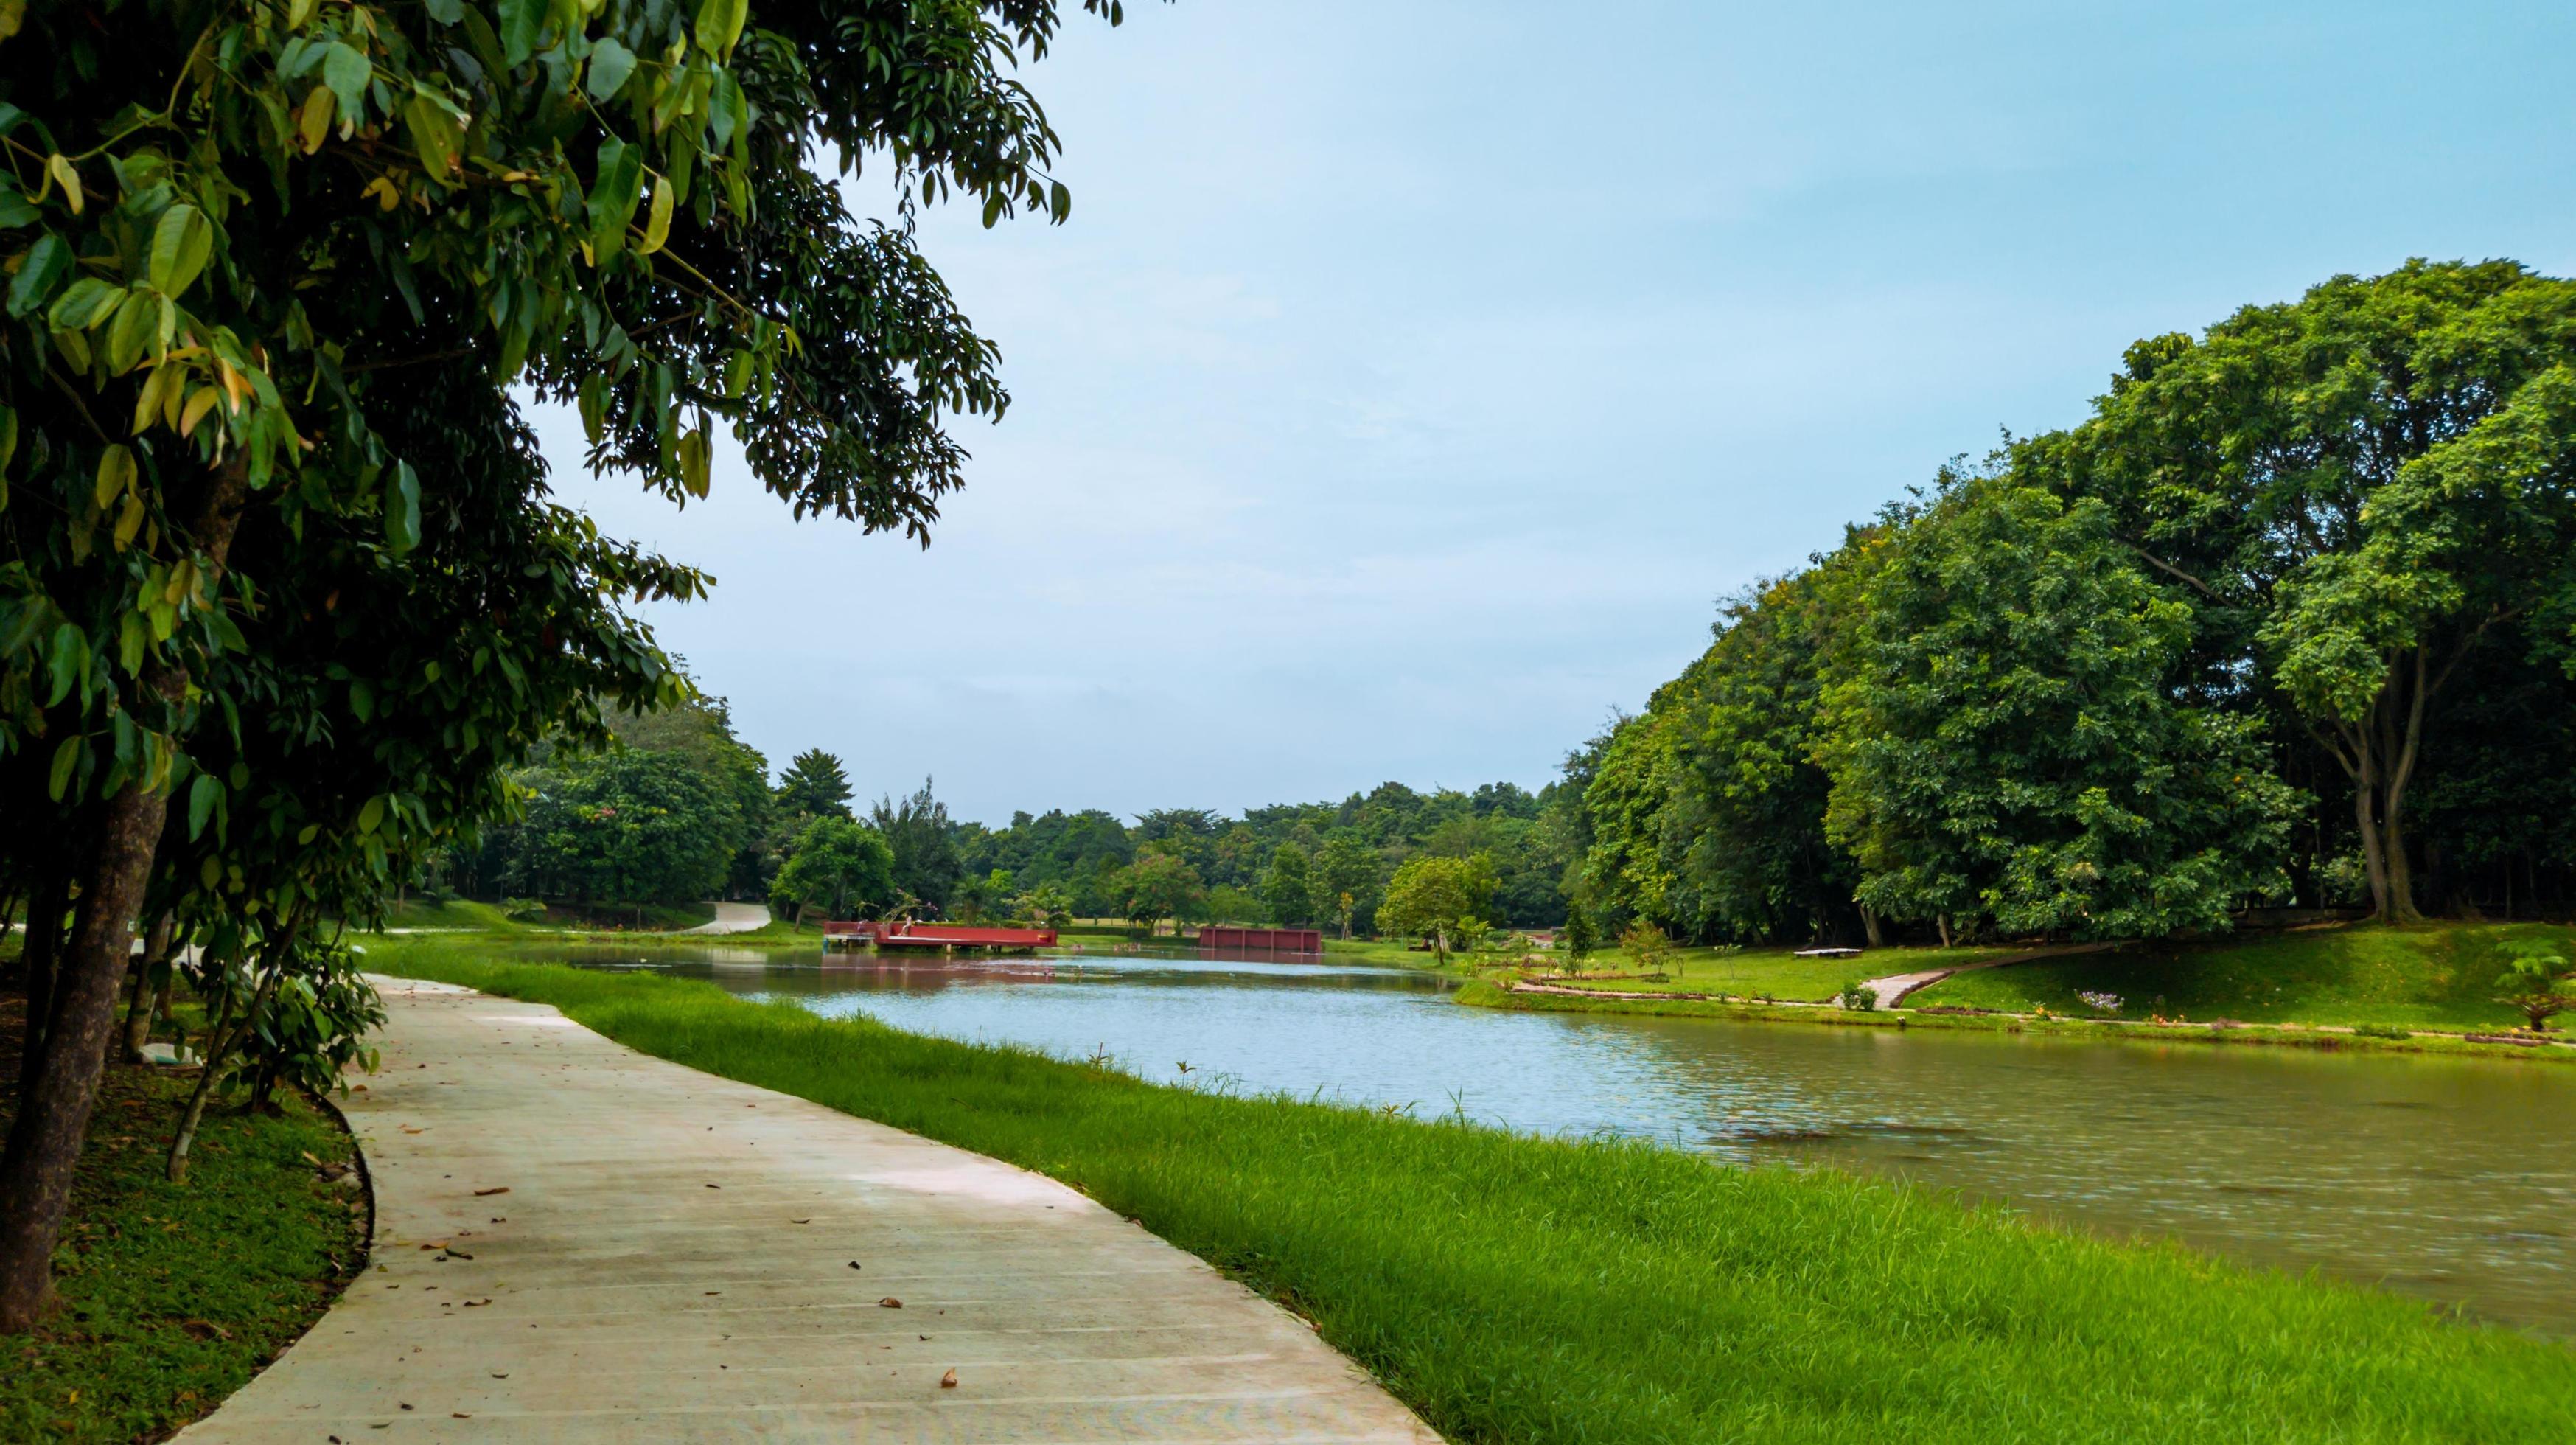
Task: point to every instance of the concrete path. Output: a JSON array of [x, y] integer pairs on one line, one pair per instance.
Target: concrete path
[[735, 918], [1895, 988], [576, 1242]]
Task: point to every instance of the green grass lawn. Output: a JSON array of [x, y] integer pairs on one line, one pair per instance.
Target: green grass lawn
[[2430, 976], [174, 1295], [1548, 1290], [1766, 972]]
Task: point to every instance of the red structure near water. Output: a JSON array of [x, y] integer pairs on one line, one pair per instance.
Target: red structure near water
[[1262, 940]]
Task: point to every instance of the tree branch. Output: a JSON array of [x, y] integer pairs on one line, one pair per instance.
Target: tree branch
[[2169, 569]]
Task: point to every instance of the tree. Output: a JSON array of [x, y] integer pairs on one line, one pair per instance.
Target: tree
[[926, 864], [1157, 886], [268, 237], [2006, 744], [840, 866], [1049, 904], [1648, 948], [1345, 878], [1439, 900], [2355, 491], [1287, 887], [1580, 939], [629, 828], [815, 784], [2535, 984]]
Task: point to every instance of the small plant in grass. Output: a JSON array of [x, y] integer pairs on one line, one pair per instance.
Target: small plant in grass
[[2381, 1031], [2108, 1003], [1857, 996], [523, 910], [2536, 984], [1648, 947]]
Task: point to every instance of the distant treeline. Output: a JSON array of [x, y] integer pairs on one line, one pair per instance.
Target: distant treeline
[[684, 810], [2290, 619]]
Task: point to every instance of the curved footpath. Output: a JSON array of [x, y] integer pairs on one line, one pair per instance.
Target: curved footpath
[[575, 1241]]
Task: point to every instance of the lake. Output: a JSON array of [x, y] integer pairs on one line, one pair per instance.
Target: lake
[[2451, 1179]]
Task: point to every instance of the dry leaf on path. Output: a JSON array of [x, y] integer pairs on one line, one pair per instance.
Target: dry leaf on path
[[487, 1193], [948, 1381], [890, 1302]]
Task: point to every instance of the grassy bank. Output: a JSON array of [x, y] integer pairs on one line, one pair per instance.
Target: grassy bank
[[2422, 976], [2425, 988], [174, 1295], [1545, 1290]]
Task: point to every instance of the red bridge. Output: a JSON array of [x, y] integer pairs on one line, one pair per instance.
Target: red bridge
[[1262, 940]]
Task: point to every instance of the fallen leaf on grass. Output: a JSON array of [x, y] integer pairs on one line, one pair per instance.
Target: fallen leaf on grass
[[204, 1329], [890, 1302], [500, 1374], [469, 1304], [715, 1186], [948, 1381], [854, 1264], [486, 1193], [806, 1220]]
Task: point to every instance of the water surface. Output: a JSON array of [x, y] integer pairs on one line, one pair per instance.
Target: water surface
[[2452, 1179]]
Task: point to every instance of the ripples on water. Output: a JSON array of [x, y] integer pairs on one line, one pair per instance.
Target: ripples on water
[[2452, 1179]]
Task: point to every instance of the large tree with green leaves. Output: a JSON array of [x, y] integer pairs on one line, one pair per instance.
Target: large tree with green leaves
[[246, 241], [2356, 491], [840, 866], [1288, 886], [814, 783], [2005, 739], [1446, 902]]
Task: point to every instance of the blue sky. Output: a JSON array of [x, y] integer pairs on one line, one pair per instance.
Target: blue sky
[[1414, 376]]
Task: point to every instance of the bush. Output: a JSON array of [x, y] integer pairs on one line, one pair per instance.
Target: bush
[[1857, 996], [523, 910]]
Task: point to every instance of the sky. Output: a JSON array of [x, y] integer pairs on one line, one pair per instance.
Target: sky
[[1414, 377]]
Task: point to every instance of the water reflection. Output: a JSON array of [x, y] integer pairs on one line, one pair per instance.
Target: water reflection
[[2452, 1179]]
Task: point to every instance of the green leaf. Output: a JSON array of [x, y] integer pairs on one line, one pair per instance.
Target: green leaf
[[15, 208], [402, 508], [61, 776], [131, 331], [8, 438], [610, 64], [1060, 200], [614, 194], [371, 815], [347, 73], [181, 241], [522, 21], [445, 12], [67, 658], [657, 220], [44, 266], [84, 304], [720, 25], [201, 803], [435, 135]]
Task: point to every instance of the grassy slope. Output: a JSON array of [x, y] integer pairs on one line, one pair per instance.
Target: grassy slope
[[1769, 972], [1550, 1290], [2434, 976], [174, 1295]]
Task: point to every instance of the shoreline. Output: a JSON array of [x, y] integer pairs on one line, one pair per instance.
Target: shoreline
[[2326, 1038]]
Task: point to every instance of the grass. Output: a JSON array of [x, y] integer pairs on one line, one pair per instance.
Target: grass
[[1520, 1289], [1766, 972], [2425, 976], [174, 1295]]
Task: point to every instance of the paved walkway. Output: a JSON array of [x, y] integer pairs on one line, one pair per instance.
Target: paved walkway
[[1895, 988], [576, 1242], [735, 918]]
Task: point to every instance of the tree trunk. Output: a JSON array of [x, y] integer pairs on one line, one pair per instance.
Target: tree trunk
[[53, 1112], [144, 1002], [1870, 929], [45, 905]]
